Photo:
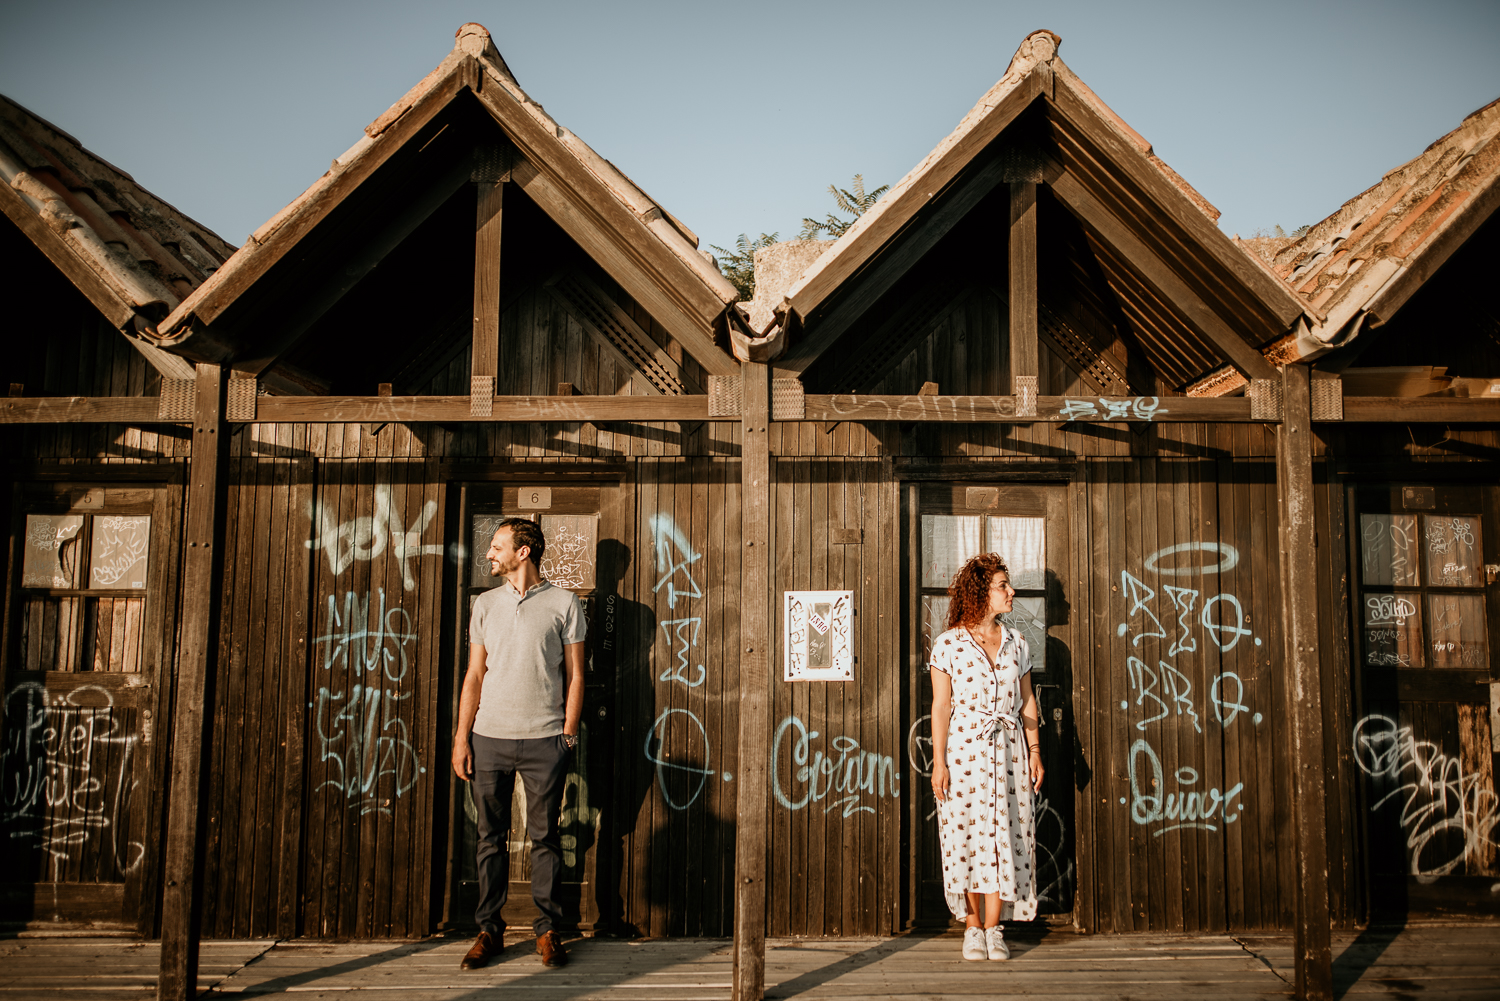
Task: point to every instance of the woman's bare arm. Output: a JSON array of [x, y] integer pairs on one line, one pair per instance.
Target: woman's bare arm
[[942, 711], [1031, 731]]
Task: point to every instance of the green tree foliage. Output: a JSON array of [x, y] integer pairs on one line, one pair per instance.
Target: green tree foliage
[[738, 265], [852, 203]]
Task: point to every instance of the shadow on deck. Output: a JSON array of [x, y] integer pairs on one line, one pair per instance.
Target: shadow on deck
[[1435, 962]]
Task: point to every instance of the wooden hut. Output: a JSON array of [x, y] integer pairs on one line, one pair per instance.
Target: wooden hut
[[1261, 635], [93, 261]]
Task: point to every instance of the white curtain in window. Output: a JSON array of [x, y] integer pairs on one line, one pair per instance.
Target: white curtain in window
[[948, 541], [1021, 543]]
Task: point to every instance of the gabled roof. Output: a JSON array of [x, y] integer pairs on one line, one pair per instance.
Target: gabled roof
[[131, 254], [1369, 257], [643, 247], [1186, 289]]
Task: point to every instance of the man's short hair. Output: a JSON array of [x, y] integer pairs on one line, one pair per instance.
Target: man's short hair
[[525, 532]]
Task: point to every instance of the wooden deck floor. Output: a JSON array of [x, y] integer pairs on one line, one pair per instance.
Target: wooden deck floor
[[1427, 961]]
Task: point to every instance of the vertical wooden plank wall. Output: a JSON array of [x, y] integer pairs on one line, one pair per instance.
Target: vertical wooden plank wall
[[324, 738]]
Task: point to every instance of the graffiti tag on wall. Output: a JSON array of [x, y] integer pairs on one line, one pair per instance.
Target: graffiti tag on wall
[[1446, 814], [69, 774], [1160, 676]]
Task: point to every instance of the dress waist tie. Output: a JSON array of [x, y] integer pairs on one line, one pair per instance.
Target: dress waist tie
[[991, 722]]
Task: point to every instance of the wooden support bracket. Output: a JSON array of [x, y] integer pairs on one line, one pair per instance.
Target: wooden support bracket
[[1327, 397], [481, 395], [788, 402], [1265, 399], [724, 396], [176, 400], [240, 402]]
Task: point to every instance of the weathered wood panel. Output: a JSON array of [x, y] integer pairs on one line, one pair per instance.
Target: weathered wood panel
[[838, 748]]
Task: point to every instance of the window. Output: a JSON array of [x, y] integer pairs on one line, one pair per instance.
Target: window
[[1421, 591], [948, 541], [83, 587]]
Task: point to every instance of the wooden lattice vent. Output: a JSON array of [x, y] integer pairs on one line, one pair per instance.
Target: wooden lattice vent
[[896, 338], [620, 335], [1091, 364]]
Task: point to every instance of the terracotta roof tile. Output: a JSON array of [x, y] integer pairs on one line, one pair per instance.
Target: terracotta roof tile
[[1361, 258], [145, 251]]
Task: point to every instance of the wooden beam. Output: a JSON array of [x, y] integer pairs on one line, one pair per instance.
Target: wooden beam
[[1167, 201], [889, 267], [620, 257], [1003, 409], [79, 410], [261, 253], [1420, 410], [608, 223], [118, 312], [1197, 313], [105, 299], [1023, 285], [182, 897], [364, 254], [138, 410], [752, 806], [486, 351], [1299, 617], [906, 200], [451, 409]]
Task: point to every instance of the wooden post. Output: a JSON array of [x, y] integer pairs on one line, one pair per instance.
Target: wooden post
[[486, 357], [752, 808], [1023, 291], [181, 909], [1299, 615]]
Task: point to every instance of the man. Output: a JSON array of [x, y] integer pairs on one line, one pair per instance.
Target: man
[[518, 714]]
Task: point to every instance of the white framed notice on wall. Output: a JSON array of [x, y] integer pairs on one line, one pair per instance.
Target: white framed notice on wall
[[818, 626]]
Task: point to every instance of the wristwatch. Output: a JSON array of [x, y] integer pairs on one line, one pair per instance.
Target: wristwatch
[[570, 740]]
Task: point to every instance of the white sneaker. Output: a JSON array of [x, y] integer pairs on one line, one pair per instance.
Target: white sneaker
[[994, 943], [974, 943]]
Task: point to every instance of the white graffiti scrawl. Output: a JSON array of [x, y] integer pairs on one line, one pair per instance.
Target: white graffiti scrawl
[[69, 774], [1161, 679], [681, 780], [366, 538], [843, 774], [361, 734], [1447, 814], [674, 560]]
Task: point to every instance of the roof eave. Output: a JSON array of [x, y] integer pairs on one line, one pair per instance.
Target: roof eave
[[282, 231], [1028, 77]]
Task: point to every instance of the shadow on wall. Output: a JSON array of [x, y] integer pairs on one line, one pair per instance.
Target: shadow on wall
[[1056, 823]]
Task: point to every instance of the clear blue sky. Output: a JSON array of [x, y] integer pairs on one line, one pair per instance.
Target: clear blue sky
[[737, 117]]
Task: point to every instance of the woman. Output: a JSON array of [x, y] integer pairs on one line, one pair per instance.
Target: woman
[[986, 759]]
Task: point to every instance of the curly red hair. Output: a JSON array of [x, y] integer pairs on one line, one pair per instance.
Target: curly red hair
[[970, 590]]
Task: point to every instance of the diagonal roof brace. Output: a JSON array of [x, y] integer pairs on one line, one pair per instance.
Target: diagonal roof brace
[[1160, 275]]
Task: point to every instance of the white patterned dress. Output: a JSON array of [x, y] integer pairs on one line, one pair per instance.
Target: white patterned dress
[[985, 827]]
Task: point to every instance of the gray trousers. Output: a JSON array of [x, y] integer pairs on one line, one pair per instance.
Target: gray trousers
[[542, 764]]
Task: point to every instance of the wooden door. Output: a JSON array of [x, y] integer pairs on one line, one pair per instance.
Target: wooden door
[[582, 530], [1426, 561], [1027, 524], [82, 645]]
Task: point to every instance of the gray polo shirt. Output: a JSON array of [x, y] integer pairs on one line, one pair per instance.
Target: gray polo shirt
[[523, 638]]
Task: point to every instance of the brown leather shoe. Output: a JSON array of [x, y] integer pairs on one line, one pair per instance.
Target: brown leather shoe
[[549, 946], [485, 948]]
